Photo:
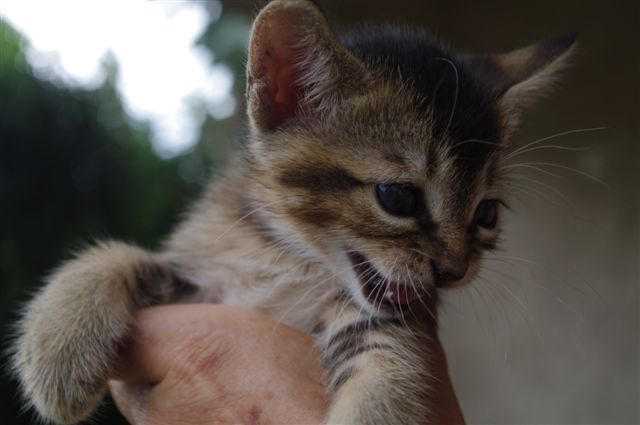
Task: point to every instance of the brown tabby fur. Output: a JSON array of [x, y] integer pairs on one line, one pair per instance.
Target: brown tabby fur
[[274, 232]]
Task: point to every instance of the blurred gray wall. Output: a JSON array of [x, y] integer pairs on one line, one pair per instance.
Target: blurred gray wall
[[551, 332]]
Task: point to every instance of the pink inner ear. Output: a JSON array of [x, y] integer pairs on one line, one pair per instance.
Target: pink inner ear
[[274, 57], [284, 95]]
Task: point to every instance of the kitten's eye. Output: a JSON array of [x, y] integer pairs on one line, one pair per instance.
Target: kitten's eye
[[486, 214], [398, 199]]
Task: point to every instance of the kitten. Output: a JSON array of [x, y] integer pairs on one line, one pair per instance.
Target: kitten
[[371, 176]]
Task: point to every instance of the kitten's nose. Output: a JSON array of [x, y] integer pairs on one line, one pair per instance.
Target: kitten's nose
[[446, 274]]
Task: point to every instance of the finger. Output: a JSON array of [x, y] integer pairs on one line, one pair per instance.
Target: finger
[[157, 338], [131, 400], [170, 336], [142, 359], [448, 409]]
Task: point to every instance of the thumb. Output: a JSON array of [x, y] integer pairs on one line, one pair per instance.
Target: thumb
[[170, 338], [131, 400]]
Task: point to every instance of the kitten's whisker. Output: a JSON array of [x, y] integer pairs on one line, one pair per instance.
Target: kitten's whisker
[[421, 284], [415, 290], [573, 208], [346, 301], [531, 263], [502, 302], [507, 257], [534, 165], [250, 213], [377, 303], [547, 291], [313, 287], [530, 167], [420, 252], [475, 294], [372, 277], [260, 251], [199, 248], [585, 281], [305, 263], [475, 307], [553, 136], [413, 314], [285, 249], [528, 190], [537, 148], [501, 261], [574, 287], [560, 300], [551, 189], [483, 142], [397, 280], [265, 253], [515, 298], [283, 279], [526, 313], [457, 89], [507, 276]]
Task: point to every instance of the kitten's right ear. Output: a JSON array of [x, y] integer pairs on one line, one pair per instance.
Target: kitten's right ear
[[518, 76], [296, 65]]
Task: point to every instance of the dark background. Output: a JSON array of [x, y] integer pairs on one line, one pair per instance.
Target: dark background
[[551, 332]]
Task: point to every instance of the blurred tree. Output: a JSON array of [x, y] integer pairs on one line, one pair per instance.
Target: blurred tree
[[72, 168], [75, 168]]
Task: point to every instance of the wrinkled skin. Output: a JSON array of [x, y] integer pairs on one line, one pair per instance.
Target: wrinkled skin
[[202, 364]]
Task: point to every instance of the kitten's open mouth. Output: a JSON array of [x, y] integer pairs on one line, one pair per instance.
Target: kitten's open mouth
[[378, 290]]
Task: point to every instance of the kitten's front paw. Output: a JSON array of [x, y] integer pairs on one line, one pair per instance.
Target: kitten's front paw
[[69, 335], [63, 356], [53, 385]]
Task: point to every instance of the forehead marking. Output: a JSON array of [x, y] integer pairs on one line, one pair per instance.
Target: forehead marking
[[319, 178], [394, 157]]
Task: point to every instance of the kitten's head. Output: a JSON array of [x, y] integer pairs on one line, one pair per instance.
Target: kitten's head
[[380, 155]]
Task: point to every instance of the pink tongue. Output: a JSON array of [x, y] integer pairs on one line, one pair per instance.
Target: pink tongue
[[401, 294]]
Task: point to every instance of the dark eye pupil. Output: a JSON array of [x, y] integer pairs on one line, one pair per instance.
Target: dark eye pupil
[[397, 199], [486, 214]]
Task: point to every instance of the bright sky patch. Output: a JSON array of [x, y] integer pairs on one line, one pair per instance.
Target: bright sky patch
[[163, 78]]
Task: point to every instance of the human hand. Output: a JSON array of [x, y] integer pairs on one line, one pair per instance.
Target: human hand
[[196, 364]]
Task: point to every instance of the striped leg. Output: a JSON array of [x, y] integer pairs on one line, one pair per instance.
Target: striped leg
[[378, 369]]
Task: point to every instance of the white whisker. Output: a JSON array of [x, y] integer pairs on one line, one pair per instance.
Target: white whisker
[[553, 136], [535, 166], [455, 96], [537, 148], [479, 141], [234, 224], [314, 286]]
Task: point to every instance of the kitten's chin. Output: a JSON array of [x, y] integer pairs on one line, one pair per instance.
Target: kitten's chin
[[380, 294]]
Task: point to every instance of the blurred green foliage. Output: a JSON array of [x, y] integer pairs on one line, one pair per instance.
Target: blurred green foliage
[[75, 168]]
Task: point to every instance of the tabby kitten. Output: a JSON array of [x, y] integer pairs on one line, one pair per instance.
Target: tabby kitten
[[371, 176]]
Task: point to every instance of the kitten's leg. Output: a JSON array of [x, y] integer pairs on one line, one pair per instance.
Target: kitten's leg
[[378, 369], [69, 334]]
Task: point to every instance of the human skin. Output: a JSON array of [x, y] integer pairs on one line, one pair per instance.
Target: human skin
[[210, 364]]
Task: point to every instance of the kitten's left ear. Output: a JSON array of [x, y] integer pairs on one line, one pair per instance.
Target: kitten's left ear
[[519, 76], [296, 65]]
